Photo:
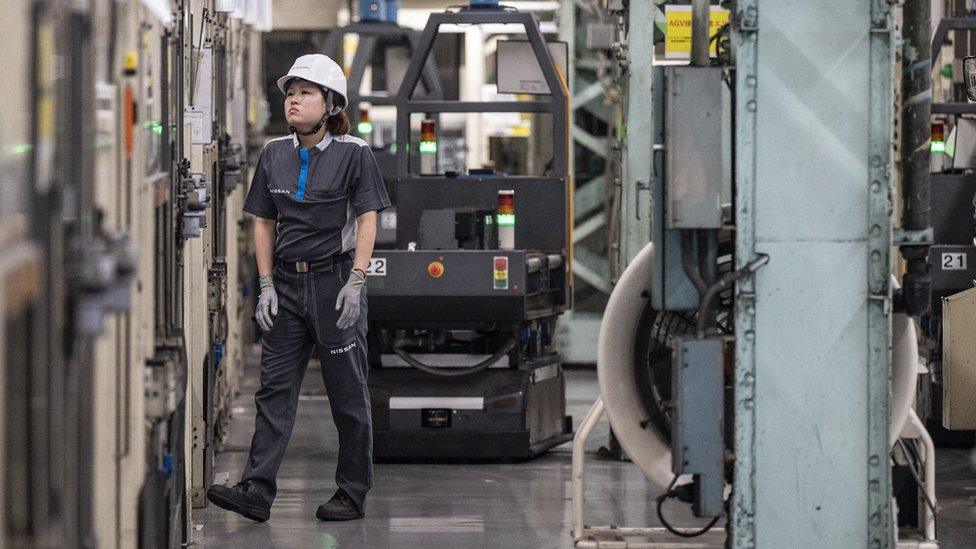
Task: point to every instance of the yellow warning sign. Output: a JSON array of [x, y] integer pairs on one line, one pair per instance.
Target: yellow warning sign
[[677, 33]]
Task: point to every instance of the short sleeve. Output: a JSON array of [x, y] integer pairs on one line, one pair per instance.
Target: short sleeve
[[368, 193], [259, 201]]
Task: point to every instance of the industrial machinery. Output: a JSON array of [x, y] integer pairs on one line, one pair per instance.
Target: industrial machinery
[[462, 312], [948, 243], [758, 358], [124, 147], [382, 46], [382, 52]]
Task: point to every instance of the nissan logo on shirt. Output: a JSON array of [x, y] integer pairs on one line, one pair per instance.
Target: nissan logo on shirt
[[279, 191]]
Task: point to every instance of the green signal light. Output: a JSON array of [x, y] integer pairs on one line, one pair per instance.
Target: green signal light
[[364, 127], [506, 220], [428, 147], [153, 125], [938, 147]]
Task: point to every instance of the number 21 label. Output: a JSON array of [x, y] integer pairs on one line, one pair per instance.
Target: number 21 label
[[954, 261]]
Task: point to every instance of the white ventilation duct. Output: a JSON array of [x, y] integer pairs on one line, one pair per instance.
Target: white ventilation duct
[[624, 407], [615, 370], [904, 372]]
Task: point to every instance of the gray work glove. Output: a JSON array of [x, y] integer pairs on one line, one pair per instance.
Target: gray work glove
[[348, 301], [267, 304]]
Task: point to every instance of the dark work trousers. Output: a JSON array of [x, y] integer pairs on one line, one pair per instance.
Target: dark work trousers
[[307, 320]]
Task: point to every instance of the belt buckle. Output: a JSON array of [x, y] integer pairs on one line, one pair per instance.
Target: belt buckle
[[301, 266]]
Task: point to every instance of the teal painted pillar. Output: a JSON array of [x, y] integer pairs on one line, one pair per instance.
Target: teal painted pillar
[[813, 142], [635, 196]]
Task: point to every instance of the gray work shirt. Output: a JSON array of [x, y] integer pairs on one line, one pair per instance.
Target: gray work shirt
[[316, 194]]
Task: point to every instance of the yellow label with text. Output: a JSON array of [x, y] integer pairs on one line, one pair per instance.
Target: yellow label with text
[[677, 34]]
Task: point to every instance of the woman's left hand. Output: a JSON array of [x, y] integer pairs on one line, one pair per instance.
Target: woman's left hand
[[348, 301]]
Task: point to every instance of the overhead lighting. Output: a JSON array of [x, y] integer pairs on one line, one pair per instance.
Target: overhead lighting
[[528, 5]]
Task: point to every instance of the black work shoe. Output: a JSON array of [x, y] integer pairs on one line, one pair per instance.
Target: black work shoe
[[340, 507], [240, 499]]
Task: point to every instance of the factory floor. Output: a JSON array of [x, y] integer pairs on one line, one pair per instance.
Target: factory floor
[[455, 506], [460, 506], [955, 481]]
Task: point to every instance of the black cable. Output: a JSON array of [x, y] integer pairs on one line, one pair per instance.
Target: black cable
[[703, 239], [724, 282], [911, 468], [721, 40], [660, 515], [454, 372], [688, 263]]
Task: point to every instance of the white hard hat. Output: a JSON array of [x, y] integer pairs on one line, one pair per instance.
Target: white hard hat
[[321, 70]]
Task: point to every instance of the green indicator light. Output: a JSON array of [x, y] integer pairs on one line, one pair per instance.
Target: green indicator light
[[364, 127], [428, 147], [938, 147], [23, 148], [506, 220], [154, 125]]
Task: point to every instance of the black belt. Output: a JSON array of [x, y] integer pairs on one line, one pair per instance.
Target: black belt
[[322, 265]]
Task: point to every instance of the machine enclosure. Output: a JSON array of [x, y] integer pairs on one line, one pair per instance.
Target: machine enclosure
[[674, 143], [698, 422], [952, 208], [694, 132], [500, 413], [952, 268], [959, 360], [447, 276], [464, 290]]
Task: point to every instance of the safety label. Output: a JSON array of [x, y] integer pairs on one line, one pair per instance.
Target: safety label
[[677, 33], [500, 268], [200, 129]]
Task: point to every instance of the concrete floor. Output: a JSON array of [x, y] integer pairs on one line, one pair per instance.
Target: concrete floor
[[955, 481], [521, 505]]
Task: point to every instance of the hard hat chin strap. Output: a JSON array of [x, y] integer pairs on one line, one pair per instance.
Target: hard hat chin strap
[[315, 129]]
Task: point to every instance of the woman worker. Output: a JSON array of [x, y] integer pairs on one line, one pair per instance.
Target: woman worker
[[315, 195]]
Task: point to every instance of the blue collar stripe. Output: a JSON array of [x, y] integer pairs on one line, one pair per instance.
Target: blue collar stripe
[[303, 175]]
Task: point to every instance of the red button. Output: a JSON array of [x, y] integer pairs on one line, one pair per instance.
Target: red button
[[435, 269]]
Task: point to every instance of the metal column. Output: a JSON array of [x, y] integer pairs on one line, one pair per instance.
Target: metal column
[[590, 74], [635, 205], [605, 239], [813, 135]]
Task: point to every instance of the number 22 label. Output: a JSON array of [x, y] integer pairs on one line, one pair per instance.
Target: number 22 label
[[377, 266]]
